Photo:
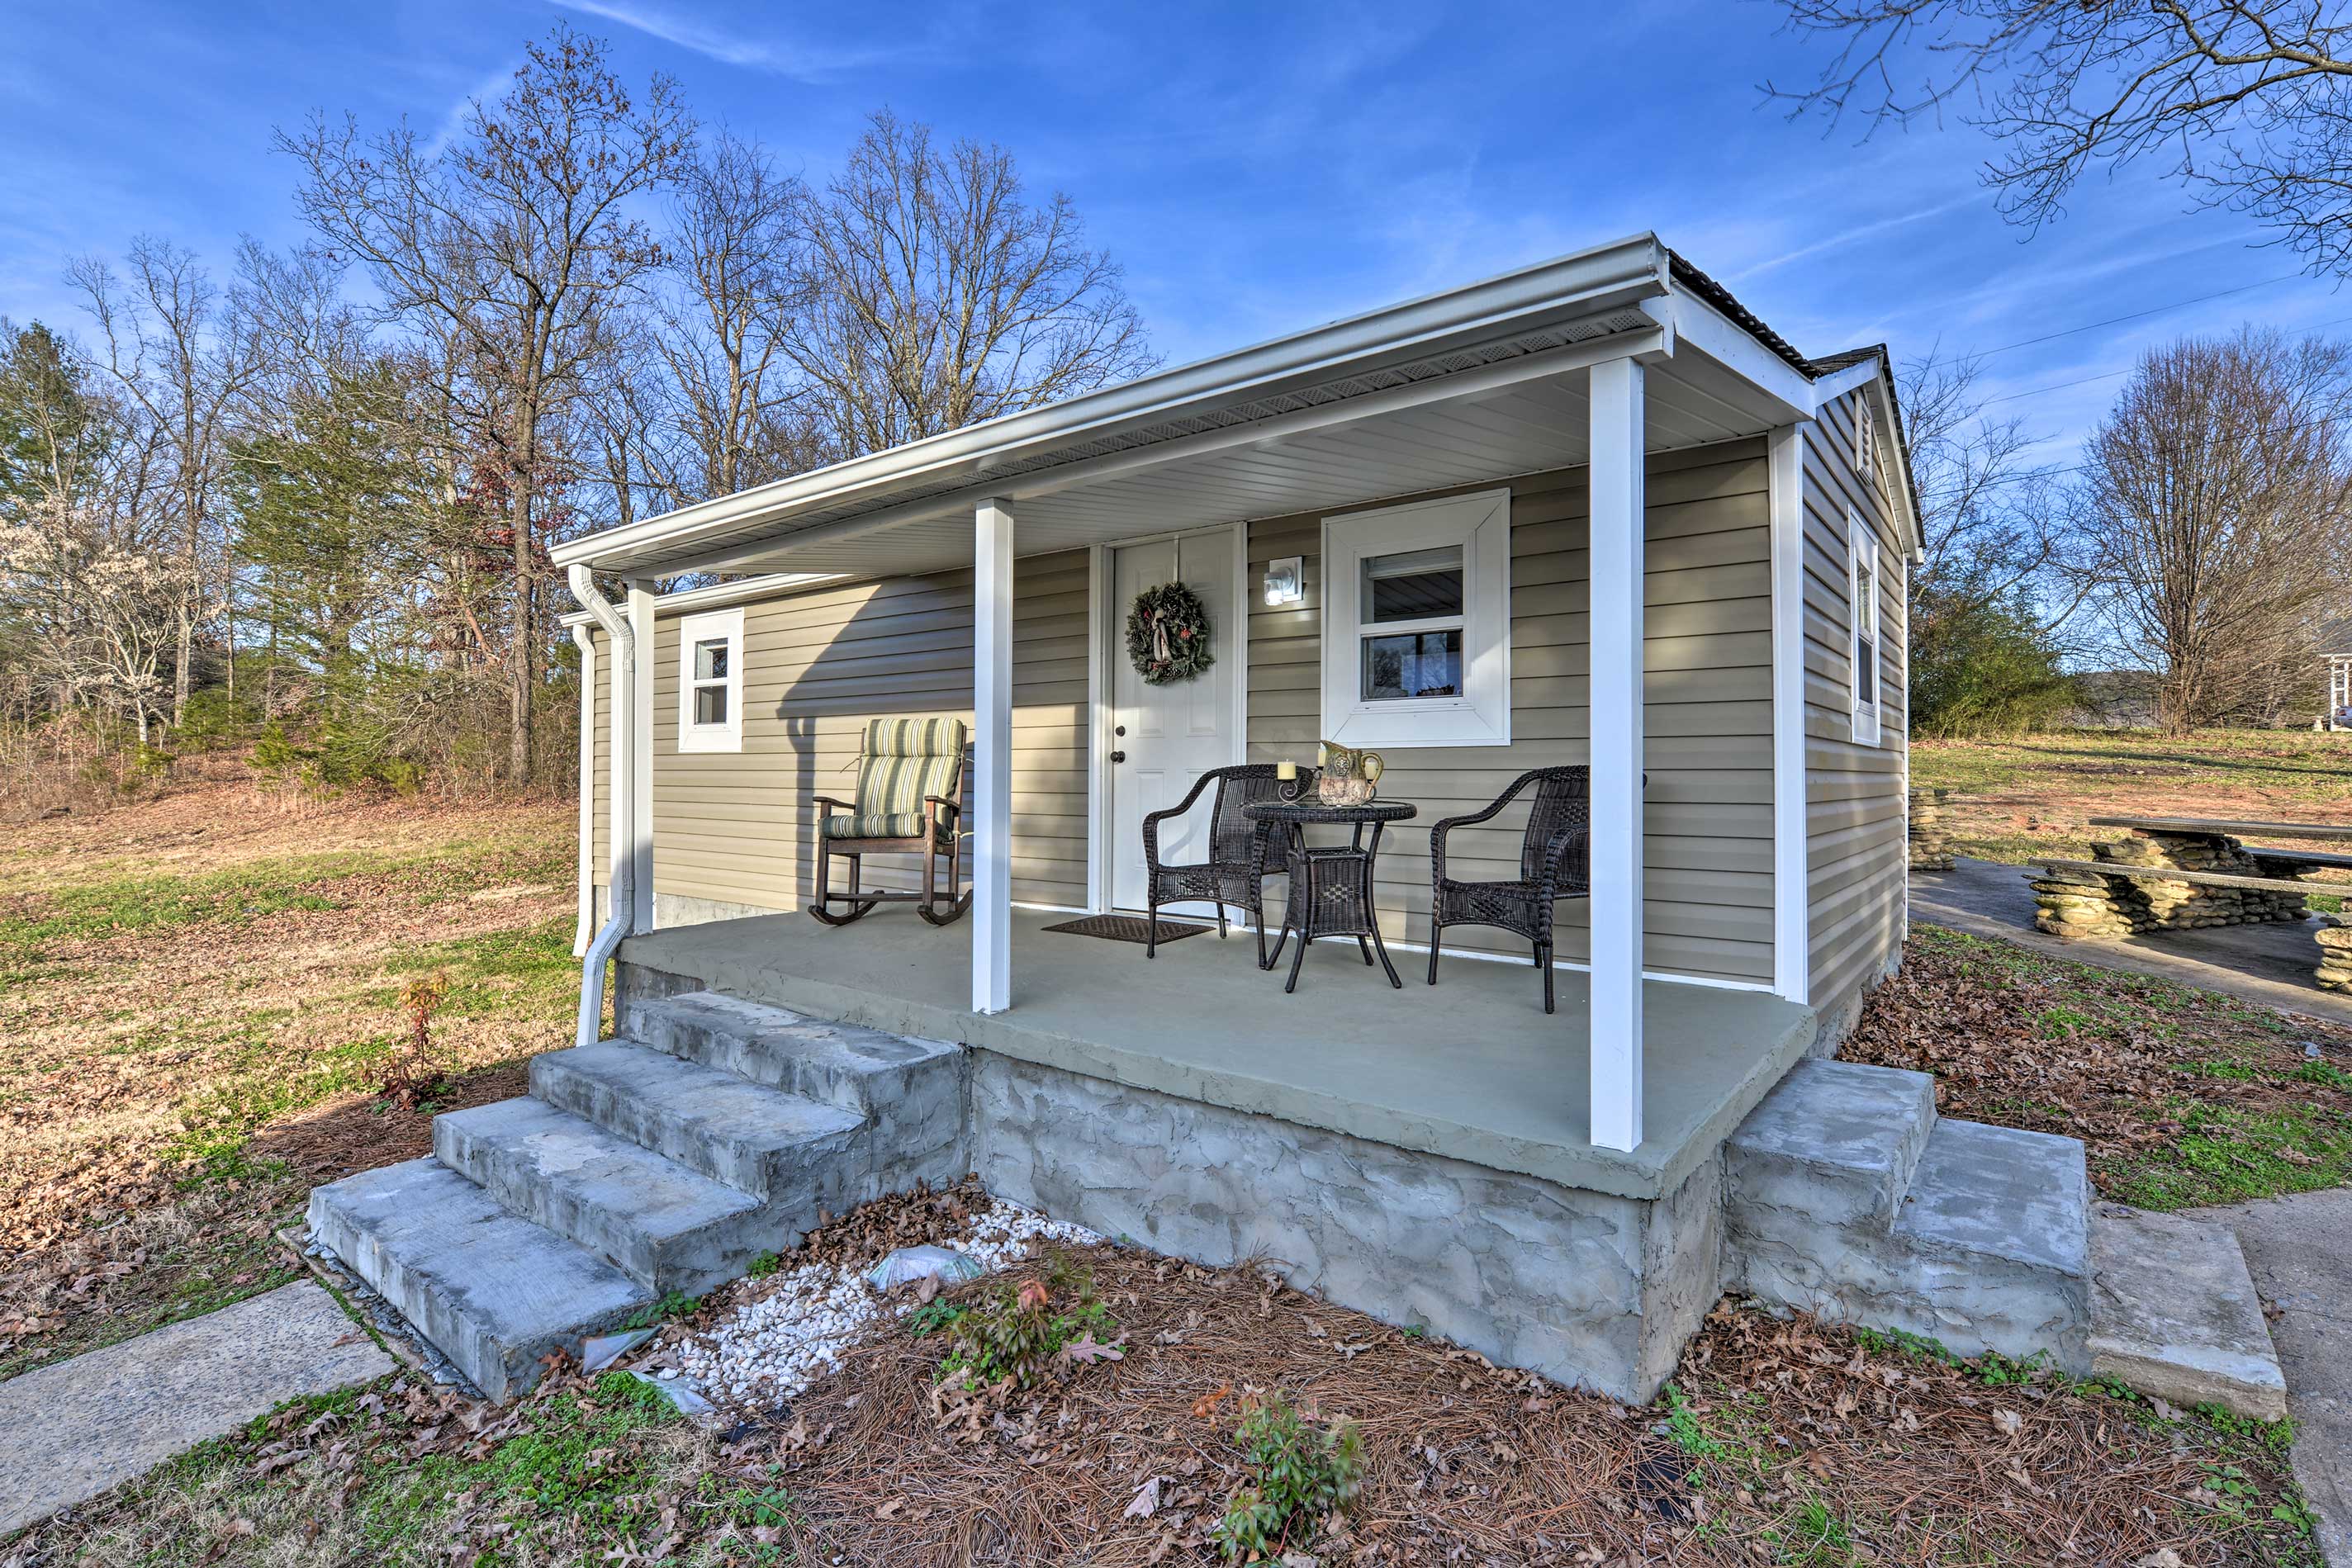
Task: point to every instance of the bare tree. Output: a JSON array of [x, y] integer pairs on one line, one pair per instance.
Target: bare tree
[[723, 325], [2246, 97], [1986, 515], [939, 297], [2218, 503], [509, 246], [173, 345]]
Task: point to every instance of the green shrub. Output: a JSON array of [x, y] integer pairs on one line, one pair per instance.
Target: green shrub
[[1016, 1334], [1304, 1473]]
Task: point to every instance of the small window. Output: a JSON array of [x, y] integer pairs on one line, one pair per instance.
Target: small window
[[711, 681], [1863, 652], [1419, 653]]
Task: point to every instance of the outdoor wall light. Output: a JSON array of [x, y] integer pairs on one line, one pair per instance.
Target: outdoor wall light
[[1286, 580]]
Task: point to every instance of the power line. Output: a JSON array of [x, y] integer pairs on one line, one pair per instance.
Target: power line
[[2081, 468], [2133, 315]]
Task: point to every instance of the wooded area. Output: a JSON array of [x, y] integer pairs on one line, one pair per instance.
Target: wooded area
[[309, 502]]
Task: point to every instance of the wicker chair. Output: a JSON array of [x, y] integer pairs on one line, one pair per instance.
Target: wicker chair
[[1555, 860], [914, 784], [1230, 874]]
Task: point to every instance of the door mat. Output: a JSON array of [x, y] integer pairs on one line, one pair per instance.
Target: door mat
[[1126, 928]]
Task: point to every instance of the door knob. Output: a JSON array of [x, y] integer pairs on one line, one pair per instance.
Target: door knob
[[1119, 729], [1119, 757]]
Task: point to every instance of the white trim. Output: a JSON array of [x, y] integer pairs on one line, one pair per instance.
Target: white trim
[[1792, 957], [1707, 330], [1617, 522], [1103, 635], [1903, 668], [741, 590], [642, 601], [1837, 383], [710, 625], [1590, 282], [1098, 725], [585, 931], [1862, 552], [991, 695], [1480, 715]]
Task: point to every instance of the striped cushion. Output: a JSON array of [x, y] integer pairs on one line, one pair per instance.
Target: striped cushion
[[906, 759], [884, 825]]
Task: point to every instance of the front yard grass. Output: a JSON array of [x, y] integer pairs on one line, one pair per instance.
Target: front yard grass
[[199, 995], [2017, 799], [2184, 1097]]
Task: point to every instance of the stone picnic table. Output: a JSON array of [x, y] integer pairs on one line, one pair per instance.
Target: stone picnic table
[[2218, 879]]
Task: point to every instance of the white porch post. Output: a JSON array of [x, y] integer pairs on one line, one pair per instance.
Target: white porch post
[[1616, 525], [1791, 879], [641, 753], [991, 701]]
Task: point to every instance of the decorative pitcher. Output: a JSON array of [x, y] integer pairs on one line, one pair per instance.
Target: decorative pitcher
[[1348, 776]]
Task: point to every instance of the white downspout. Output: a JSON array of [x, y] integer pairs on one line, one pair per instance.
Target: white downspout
[[620, 918], [585, 930]]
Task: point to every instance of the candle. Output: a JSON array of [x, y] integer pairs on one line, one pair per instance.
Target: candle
[[1287, 771]]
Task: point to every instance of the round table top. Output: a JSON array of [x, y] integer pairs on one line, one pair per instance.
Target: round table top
[[1316, 812]]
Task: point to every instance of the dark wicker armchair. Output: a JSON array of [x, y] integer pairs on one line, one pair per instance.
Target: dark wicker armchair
[[1232, 873], [1555, 860]]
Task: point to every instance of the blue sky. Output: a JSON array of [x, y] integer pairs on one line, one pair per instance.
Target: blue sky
[[1256, 169]]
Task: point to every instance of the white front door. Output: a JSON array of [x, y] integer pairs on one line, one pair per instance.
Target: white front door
[[1163, 737]]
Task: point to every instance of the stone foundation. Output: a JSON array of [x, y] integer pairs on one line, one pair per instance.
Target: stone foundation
[[2086, 904], [1589, 1289]]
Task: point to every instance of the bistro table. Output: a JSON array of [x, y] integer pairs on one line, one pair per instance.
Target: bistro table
[[1331, 886]]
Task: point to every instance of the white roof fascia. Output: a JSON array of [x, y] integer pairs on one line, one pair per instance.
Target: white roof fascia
[[1702, 326], [1587, 281], [714, 595], [1837, 383]]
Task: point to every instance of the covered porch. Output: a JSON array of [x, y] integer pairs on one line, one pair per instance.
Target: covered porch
[[1469, 1069]]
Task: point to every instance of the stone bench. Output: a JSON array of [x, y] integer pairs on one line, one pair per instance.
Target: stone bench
[[2117, 899]]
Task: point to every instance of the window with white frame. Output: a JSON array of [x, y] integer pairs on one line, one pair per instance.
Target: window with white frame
[[1416, 630], [1863, 589], [711, 681]]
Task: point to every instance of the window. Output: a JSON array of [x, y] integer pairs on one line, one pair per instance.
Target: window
[[1416, 637], [1862, 653], [1865, 438], [711, 681]]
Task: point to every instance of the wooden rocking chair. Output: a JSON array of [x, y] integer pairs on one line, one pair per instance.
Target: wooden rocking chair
[[914, 782]]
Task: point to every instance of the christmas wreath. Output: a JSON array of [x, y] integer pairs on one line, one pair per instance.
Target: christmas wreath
[[1168, 635]]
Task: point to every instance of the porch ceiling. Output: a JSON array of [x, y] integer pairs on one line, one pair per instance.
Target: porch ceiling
[[1475, 436]]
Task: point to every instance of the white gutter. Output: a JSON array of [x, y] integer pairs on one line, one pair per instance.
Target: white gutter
[[623, 894], [586, 928]]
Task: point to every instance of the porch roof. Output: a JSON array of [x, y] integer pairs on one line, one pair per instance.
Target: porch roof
[[1471, 1069], [1475, 383]]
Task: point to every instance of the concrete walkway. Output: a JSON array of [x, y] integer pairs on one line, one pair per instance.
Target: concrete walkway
[[2300, 1251], [2270, 964], [71, 1431]]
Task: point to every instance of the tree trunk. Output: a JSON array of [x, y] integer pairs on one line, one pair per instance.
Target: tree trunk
[[524, 666]]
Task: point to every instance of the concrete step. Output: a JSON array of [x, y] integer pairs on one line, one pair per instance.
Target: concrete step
[[1837, 1142], [2173, 1314], [1997, 1224], [764, 1141], [493, 1291], [660, 1223], [910, 1091], [1848, 1196]]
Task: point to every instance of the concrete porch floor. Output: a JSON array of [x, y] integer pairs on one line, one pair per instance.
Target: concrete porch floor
[[1471, 1068]]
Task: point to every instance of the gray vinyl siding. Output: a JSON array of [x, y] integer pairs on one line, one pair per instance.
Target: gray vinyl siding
[[1708, 842], [735, 827], [1854, 818]]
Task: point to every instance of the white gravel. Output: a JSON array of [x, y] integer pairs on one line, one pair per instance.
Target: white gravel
[[794, 1331]]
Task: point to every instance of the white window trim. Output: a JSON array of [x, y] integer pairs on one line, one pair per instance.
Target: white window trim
[[702, 628], [1481, 713], [1861, 550]]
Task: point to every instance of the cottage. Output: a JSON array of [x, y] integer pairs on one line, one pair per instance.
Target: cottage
[[1592, 514]]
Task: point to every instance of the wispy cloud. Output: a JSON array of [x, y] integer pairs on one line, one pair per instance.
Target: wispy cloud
[[453, 121], [799, 60], [1847, 237]]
